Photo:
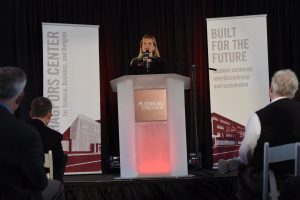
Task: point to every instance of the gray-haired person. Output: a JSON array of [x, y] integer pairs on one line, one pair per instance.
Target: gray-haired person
[[22, 174], [278, 124]]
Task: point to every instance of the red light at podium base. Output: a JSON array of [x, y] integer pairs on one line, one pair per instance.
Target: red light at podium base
[[153, 149]]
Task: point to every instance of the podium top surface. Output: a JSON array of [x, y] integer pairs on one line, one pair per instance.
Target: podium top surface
[[150, 80]]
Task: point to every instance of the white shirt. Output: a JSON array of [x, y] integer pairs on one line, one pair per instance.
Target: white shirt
[[251, 136]]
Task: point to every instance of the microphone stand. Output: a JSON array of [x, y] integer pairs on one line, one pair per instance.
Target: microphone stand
[[147, 65], [195, 106], [195, 99], [145, 59]]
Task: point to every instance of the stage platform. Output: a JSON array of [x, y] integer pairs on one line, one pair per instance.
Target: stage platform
[[200, 184]]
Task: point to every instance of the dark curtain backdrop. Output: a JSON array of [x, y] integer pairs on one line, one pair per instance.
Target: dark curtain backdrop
[[180, 30]]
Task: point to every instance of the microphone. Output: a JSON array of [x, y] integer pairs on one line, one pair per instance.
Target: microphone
[[145, 59], [146, 56]]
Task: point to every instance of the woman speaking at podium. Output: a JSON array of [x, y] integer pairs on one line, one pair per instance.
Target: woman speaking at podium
[[148, 60]]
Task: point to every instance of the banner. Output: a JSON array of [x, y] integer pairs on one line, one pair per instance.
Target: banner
[[237, 48], [72, 83]]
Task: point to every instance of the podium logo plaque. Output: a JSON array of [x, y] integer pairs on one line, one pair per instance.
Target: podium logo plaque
[[150, 105]]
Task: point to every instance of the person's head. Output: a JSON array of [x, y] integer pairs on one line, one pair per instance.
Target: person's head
[[148, 42], [12, 84], [284, 83], [41, 108]]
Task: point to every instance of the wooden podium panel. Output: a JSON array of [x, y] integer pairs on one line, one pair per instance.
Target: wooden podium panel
[[155, 145]]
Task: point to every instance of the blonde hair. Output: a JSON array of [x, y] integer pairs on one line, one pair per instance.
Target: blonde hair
[[151, 37]]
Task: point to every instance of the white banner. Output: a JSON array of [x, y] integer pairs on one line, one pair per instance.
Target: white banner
[[237, 48], [72, 82]]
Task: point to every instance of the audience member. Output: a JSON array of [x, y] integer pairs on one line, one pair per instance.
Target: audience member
[[21, 155], [41, 113], [277, 123]]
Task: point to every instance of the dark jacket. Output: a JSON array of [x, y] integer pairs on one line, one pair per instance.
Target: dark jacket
[[138, 66], [22, 172], [280, 124], [51, 140]]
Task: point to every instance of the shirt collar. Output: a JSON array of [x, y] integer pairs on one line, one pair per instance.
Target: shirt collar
[[278, 98], [5, 107]]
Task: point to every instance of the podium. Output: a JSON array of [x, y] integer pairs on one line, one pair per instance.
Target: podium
[[152, 127]]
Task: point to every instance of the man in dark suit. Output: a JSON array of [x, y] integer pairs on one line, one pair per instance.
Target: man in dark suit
[[41, 113], [22, 172], [277, 123]]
